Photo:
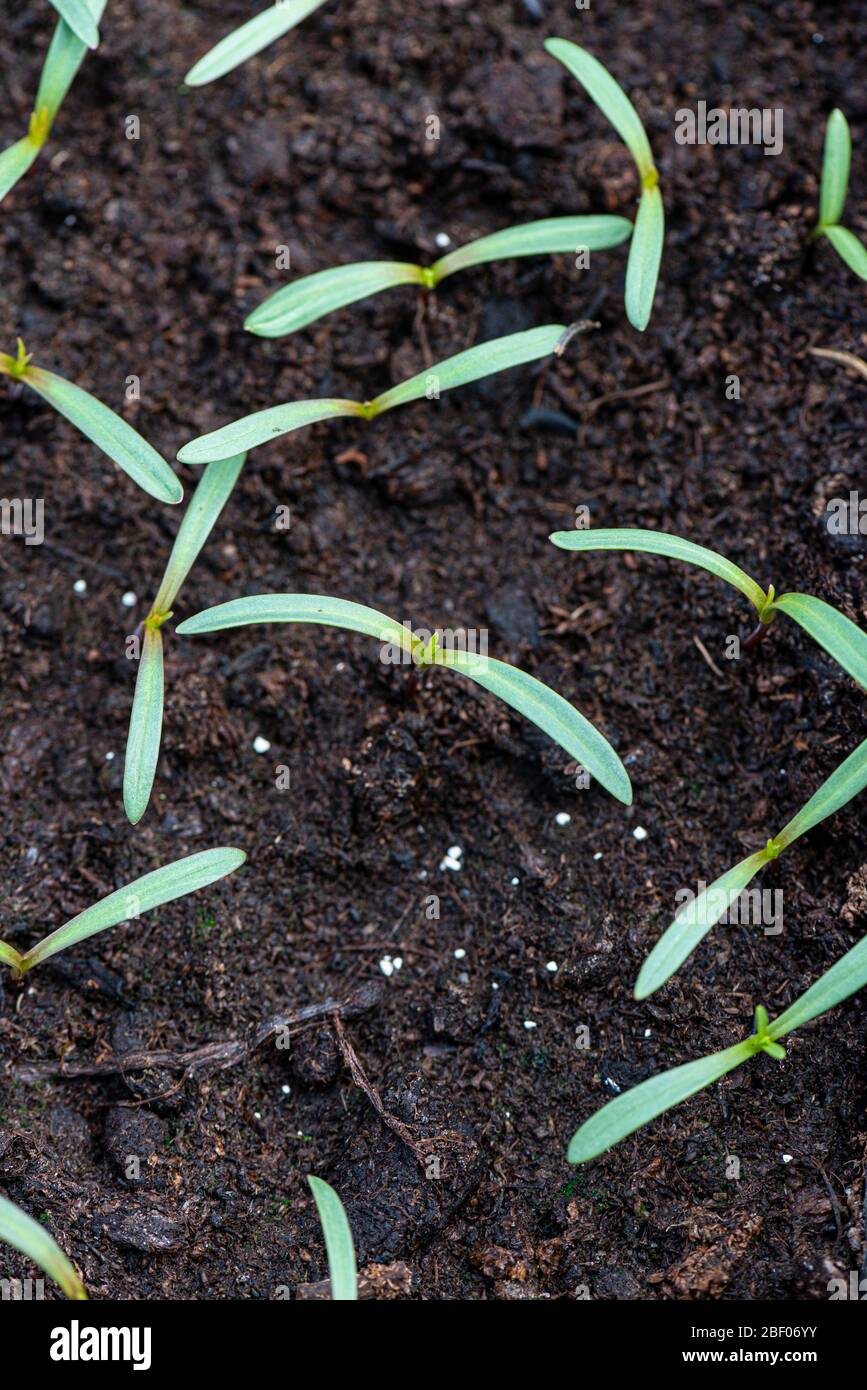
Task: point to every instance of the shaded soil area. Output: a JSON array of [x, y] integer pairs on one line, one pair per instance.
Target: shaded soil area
[[140, 258]]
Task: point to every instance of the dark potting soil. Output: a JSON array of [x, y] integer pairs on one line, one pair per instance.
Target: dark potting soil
[[140, 258]]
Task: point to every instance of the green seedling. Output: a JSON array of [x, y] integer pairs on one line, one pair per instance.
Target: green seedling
[[483, 360], [314, 296], [542, 706], [841, 638], [76, 31], [638, 1106], [696, 919], [152, 890], [248, 40], [338, 1241], [832, 195], [146, 720], [109, 432], [645, 251], [23, 1233]]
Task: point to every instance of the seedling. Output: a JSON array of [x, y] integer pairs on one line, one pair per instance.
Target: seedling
[[76, 31], [645, 251], [314, 296], [832, 195], [840, 637], [542, 706], [338, 1241], [638, 1106], [483, 360], [152, 890], [146, 720], [23, 1233], [123, 445], [248, 40], [695, 920]]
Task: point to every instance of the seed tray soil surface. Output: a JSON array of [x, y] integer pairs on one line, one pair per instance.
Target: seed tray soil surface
[[140, 258]]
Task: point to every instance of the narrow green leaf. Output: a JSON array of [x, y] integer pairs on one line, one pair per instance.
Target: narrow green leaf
[[550, 713], [551, 236], [849, 249], [66, 52], [338, 1241], [248, 40], [609, 96], [108, 432], [78, 16], [693, 923], [645, 254], [298, 608], [314, 296], [845, 782], [841, 638], [835, 169], [212, 492], [10, 956], [641, 1104], [845, 978], [145, 727], [485, 359], [658, 543], [262, 426], [14, 163], [152, 890], [23, 1233]]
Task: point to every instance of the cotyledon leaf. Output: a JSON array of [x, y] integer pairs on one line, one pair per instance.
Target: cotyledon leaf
[[338, 1241], [78, 15], [849, 249], [548, 237], [835, 169], [693, 923], [14, 163], [841, 638], [152, 890], [609, 96], [145, 727], [66, 52], [658, 543], [848, 975], [30, 1237], [263, 425], [645, 255], [844, 783], [248, 40], [109, 432], [212, 492], [298, 608], [314, 296]]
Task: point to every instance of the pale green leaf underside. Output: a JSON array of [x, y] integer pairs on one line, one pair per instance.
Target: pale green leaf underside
[[845, 782], [645, 254], [65, 55], [260, 427], [152, 890], [485, 359], [849, 248], [544, 707], [78, 16], [841, 638], [658, 543], [338, 1241], [693, 923], [835, 169], [30, 1237], [14, 163], [145, 728], [609, 96], [549, 237], [550, 713], [848, 975], [212, 492], [248, 40], [109, 433], [641, 1104], [9, 955], [316, 295]]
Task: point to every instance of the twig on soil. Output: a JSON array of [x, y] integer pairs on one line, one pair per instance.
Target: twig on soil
[[357, 1072], [845, 359], [590, 407]]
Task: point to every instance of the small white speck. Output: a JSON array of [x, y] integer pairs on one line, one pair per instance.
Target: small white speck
[[256, 1115], [287, 1090], [494, 985], [341, 666], [530, 1025], [129, 599], [552, 967], [260, 744], [453, 859], [787, 1158], [109, 757], [455, 852], [609, 1081], [397, 962], [640, 833], [460, 953], [442, 240], [80, 586], [647, 1032], [386, 965], [598, 854], [562, 818], [514, 882]]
